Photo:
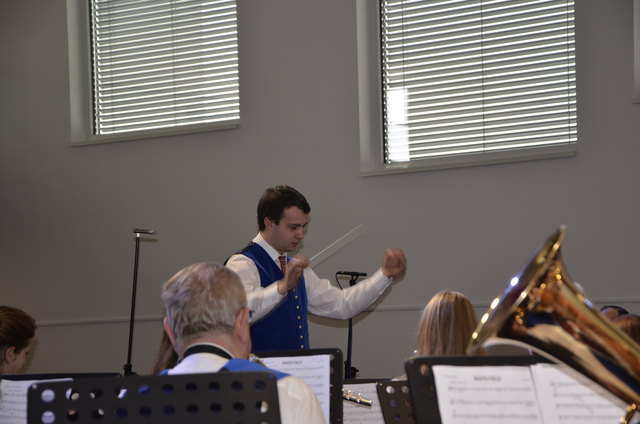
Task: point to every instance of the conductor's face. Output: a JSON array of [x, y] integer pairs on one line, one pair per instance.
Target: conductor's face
[[286, 235]]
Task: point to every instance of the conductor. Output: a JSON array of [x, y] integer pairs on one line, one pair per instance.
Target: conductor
[[282, 290]]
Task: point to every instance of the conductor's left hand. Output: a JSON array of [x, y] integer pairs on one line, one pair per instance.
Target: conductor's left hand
[[394, 262]]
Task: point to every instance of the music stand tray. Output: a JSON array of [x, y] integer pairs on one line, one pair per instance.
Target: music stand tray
[[194, 398], [395, 401]]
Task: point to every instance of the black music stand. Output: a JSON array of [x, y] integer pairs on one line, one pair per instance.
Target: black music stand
[[349, 370], [137, 231], [395, 401], [422, 388], [193, 398], [335, 378], [52, 376]]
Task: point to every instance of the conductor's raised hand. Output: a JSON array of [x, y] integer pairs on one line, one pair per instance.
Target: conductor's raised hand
[[394, 263], [295, 268]]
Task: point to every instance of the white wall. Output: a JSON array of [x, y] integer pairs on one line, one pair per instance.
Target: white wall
[[66, 214]]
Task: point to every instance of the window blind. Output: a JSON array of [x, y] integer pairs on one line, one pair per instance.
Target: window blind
[[470, 77], [163, 63]]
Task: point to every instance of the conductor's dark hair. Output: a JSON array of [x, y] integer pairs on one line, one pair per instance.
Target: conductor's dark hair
[[275, 200]]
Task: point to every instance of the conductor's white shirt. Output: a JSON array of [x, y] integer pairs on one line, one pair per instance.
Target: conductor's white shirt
[[324, 299]]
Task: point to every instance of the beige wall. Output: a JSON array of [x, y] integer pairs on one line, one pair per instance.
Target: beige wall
[[66, 214]]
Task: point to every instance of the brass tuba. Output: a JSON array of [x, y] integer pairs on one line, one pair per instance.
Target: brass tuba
[[544, 310]]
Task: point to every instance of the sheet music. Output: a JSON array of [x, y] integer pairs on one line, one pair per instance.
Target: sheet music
[[354, 413], [312, 369], [486, 395], [567, 400], [13, 400]]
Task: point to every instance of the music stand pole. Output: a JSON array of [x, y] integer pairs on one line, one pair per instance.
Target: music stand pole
[[127, 367], [349, 371]]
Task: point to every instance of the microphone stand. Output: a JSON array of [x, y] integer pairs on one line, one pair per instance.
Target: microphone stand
[[127, 367], [349, 371]]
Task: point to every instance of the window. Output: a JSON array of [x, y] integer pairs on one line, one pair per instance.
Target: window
[[157, 67], [468, 82], [636, 50]]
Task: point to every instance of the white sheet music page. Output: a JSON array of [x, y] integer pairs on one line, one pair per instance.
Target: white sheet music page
[[354, 413], [13, 399], [568, 400], [312, 369], [486, 395]]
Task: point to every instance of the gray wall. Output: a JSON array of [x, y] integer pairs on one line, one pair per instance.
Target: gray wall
[[66, 213]]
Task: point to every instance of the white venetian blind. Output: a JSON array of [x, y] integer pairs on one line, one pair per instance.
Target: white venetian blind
[[163, 63], [470, 77]]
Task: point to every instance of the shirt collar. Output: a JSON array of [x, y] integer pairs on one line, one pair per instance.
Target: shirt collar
[[273, 253], [211, 344]]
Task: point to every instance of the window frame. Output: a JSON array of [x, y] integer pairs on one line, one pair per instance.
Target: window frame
[[81, 89], [371, 114], [636, 51]]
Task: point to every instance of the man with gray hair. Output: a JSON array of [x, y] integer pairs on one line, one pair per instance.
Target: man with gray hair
[[207, 321]]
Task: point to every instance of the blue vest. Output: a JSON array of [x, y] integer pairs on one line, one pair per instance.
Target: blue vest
[[285, 327]]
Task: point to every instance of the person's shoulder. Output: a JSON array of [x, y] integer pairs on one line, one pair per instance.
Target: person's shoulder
[[238, 259], [238, 364], [295, 386], [302, 402]]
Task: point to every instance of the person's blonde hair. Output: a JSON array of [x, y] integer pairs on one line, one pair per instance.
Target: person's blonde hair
[[446, 325], [203, 298]]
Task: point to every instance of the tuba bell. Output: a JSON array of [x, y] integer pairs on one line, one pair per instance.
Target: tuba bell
[[542, 309]]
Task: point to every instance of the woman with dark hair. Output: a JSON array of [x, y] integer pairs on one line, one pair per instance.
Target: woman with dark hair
[[613, 311], [17, 332]]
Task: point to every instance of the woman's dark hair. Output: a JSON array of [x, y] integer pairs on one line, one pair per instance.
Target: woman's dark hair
[[16, 328], [275, 200], [619, 309]]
